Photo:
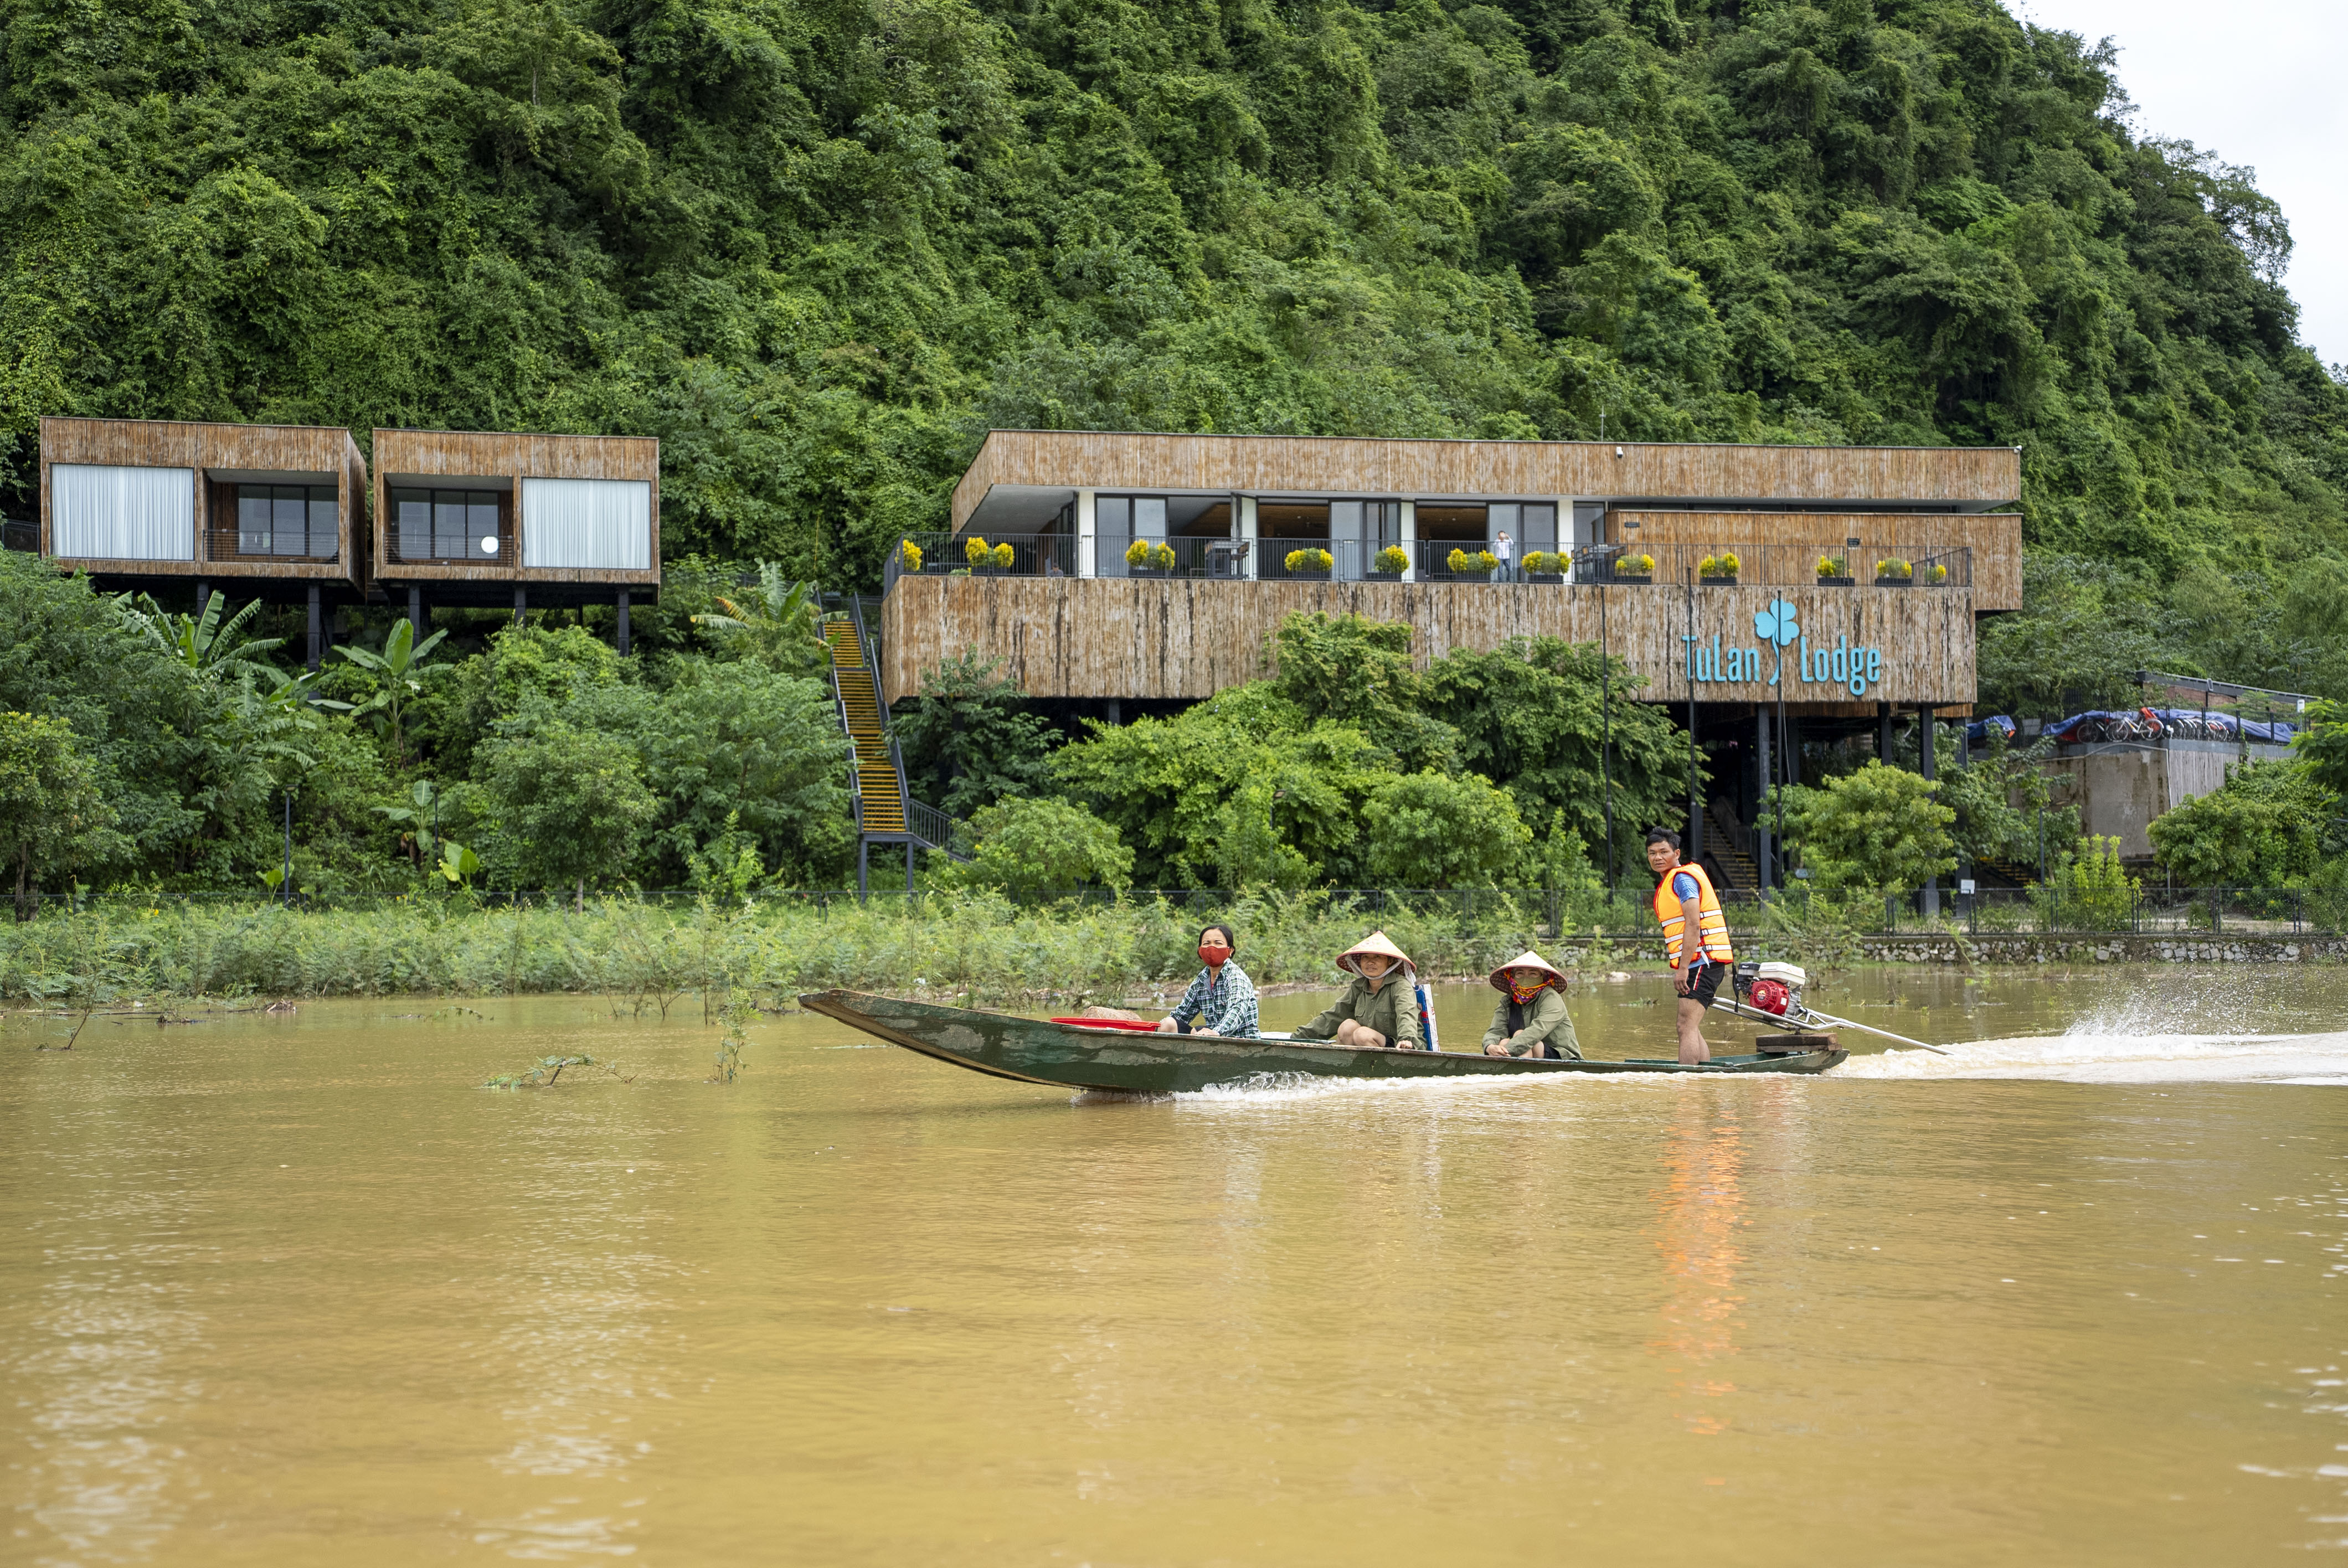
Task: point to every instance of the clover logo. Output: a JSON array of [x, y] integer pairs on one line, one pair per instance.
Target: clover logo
[[1776, 624]]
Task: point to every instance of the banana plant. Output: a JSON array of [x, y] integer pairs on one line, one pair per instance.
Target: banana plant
[[782, 625], [211, 645], [399, 672]]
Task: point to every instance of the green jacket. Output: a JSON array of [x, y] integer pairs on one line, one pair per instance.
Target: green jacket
[[1544, 1020], [1391, 1011]]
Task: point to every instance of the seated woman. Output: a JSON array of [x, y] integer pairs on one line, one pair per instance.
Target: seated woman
[[1380, 1008], [1531, 1018], [1221, 1001]]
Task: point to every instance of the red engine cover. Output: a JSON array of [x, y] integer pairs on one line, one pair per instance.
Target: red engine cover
[[1771, 996]]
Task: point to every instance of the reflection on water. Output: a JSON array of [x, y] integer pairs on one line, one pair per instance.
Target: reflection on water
[[1698, 1209], [289, 1291]]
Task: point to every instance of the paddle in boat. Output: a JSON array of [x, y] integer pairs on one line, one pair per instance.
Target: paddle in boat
[[1128, 1057]]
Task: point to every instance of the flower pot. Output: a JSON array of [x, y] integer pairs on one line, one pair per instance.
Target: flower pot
[[1631, 576], [1717, 581], [1309, 574], [1483, 576], [1837, 581], [1148, 571], [1895, 582], [1557, 576], [1382, 577]]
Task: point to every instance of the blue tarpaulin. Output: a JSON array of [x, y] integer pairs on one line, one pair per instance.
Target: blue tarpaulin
[[2190, 723]]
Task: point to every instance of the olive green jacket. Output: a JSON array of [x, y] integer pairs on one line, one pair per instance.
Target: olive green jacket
[[1392, 1010], [1544, 1020]]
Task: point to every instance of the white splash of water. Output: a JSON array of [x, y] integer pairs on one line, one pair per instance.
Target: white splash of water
[[2094, 1054]]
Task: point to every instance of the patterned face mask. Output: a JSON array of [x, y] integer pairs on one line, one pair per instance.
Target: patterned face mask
[[1522, 993]]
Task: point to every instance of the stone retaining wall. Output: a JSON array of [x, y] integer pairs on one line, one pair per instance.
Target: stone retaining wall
[[2119, 949]]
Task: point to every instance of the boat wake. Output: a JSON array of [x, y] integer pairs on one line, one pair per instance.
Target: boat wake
[[2098, 1053]]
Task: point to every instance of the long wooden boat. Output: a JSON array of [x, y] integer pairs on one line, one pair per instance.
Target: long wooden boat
[[1088, 1055]]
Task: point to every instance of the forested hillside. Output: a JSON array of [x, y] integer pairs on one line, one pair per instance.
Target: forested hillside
[[818, 248]]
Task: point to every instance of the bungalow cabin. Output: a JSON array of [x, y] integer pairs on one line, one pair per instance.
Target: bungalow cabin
[[272, 511], [1774, 596], [495, 518]]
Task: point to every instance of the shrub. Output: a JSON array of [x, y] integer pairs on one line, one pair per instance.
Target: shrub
[[910, 555], [1142, 553], [1729, 564], [1004, 556], [1030, 845], [1893, 566], [1543, 562], [1635, 564], [1879, 828], [2090, 891], [1432, 830], [1311, 560], [977, 551], [1394, 558], [1462, 562], [1936, 573], [2263, 828], [1831, 566]]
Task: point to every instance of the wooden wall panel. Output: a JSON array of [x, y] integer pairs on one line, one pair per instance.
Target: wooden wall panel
[[1112, 636], [512, 456], [206, 447], [1102, 460], [1994, 539]]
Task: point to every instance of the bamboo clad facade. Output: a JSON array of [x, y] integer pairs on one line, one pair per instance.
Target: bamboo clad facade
[[1189, 638], [453, 460], [1993, 539], [221, 456], [1956, 477]]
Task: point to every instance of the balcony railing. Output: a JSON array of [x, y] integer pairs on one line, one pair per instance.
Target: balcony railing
[[1357, 560], [1773, 564], [239, 544], [418, 548]]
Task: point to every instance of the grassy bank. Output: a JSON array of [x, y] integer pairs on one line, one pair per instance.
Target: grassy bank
[[972, 948]]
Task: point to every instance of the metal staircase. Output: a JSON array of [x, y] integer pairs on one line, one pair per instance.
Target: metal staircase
[[1724, 848], [885, 811]]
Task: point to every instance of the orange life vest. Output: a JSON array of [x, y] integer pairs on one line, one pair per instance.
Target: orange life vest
[[1710, 922]]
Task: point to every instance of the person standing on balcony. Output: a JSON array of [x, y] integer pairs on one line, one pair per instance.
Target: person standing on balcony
[[1506, 549], [1695, 937], [1221, 999]]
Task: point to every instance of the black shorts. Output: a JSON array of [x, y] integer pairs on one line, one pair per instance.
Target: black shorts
[[1706, 975]]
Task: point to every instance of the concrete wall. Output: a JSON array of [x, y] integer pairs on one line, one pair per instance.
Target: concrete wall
[[2121, 788]]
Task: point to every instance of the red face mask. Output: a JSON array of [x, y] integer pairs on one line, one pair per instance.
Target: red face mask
[[1213, 957]]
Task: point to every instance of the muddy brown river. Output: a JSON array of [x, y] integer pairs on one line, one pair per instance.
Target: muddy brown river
[[289, 1289]]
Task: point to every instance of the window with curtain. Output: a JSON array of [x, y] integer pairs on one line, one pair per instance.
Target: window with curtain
[[447, 526], [587, 524], [282, 520], [102, 513]]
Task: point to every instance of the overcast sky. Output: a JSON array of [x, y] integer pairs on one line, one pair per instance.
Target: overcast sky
[[2258, 82]]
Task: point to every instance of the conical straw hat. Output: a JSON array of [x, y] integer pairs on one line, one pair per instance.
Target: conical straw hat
[[1375, 942], [1528, 960]]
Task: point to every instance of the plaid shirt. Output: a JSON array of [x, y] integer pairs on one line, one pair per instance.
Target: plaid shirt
[[1222, 1001]]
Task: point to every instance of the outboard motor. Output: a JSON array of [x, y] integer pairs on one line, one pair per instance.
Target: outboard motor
[[1778, 988]]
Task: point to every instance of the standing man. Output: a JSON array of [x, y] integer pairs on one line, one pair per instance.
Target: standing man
[[1506, 549], [1695, 937]]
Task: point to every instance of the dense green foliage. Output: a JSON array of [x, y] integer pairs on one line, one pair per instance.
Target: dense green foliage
[[1877, 829], [1348, 768], [541, 751], [2266, 827], [815, 248]]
